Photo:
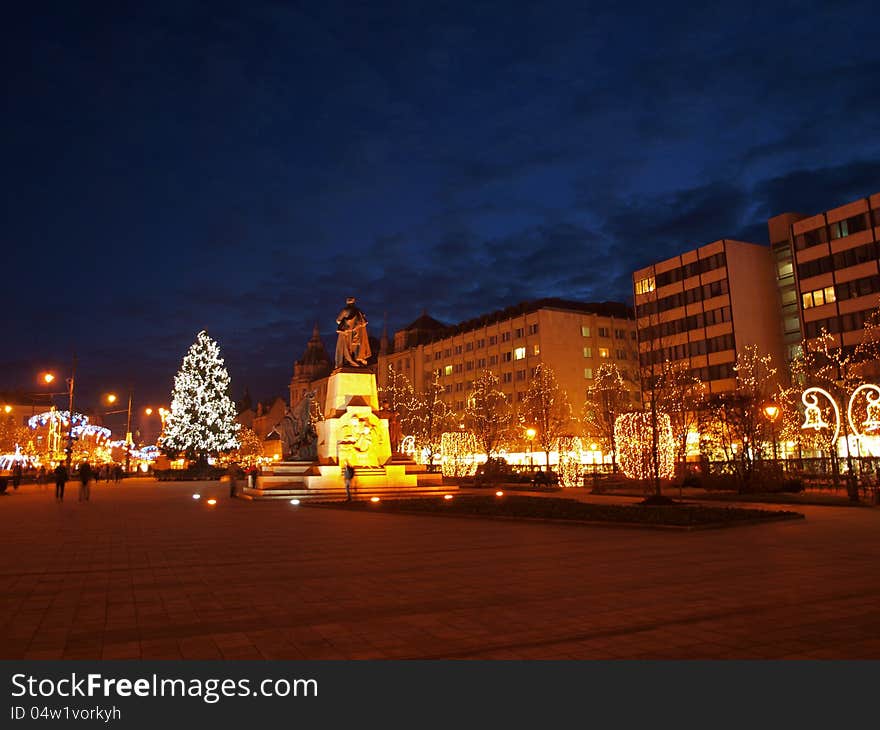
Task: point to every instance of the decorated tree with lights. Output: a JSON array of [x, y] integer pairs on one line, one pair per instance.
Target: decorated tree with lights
[[250, 446], [488, 413], [426, 417], [546, 409], [397, 398], [737, 419], [607, 398], [681, 396], [202, 417]]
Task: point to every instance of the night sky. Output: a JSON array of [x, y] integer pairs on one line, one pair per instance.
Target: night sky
[[243, 167]]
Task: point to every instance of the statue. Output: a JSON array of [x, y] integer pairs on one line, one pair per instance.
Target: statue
[[352, 343], [298, 436]]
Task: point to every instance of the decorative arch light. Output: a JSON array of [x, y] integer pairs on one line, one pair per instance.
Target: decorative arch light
[[813, 412]]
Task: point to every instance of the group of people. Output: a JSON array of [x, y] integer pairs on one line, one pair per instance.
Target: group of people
[[86, 473]]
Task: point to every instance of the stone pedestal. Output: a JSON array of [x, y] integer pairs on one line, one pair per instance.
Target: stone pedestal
[[351, 431]]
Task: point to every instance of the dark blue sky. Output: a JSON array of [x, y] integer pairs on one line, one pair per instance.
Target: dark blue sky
[[243, 167]]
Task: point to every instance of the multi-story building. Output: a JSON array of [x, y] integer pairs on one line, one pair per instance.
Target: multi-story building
[[573, 338], [835, 279], [704, 306]]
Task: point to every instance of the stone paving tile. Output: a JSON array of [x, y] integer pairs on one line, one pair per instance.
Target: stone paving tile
[[144, 572]]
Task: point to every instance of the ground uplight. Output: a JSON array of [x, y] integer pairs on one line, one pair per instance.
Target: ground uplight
[[212, 502], [447, 496], [499, 493], [197, 496], [374, 499], [294, 501]]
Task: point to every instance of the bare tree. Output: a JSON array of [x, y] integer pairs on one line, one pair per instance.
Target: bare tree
[[487, 413], [606, 399], [546, 408]]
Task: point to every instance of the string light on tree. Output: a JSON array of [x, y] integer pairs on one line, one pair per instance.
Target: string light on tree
[[457, 449], [202, 417], [632, 432], [569, 469]]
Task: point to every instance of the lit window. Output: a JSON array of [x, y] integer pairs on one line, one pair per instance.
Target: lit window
[[585, 331], [588, 352], [829, 294], [519, 353], [645, 286], [588, 373], [447, 370], [603, 352], [536, 349]]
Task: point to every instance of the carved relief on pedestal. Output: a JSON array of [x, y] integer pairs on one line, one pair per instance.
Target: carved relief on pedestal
[[362, 439]]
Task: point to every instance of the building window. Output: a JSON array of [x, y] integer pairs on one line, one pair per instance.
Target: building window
[[447, 352], [520, 374], [819, 297], [603, 332], [493, 339], [519, 353], [585, 331], [621, 354], [536, 349], [507, 377], [505, 336], [481, 363], [520, 396], [493, 360], [588, 373], [519, 332], [459, 387], [645, 286], [447, 370], [469, 347], [458, 349], [506, 356], [447, 388], [588, 352], [481, 343], [620, 334], [469, 365], [459, 367], [603, 352], [437, 355], [533, 329]]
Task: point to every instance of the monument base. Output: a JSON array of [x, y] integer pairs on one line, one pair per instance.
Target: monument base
[[352, 432]]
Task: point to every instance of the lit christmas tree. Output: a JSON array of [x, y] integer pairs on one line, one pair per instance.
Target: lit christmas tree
[[202, 418]]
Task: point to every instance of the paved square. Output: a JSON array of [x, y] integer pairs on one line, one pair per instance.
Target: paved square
[[145, 571]]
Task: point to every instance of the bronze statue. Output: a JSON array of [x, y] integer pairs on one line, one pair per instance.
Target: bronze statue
[[352, 343], [299, 440]]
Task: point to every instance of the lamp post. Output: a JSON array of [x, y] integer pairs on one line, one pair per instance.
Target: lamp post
[[530, 435], [111, 399], [48, 379], [771, 410]]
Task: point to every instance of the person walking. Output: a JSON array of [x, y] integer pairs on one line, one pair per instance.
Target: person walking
[[16, 475], [233, 479], [60, 480], [41, 477], [348, 472], [85, 476], [117, 473]]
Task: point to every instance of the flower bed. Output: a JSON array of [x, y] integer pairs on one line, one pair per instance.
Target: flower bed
[[549, 508]]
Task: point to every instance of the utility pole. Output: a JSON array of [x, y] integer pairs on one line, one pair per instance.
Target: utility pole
[[70, 384]]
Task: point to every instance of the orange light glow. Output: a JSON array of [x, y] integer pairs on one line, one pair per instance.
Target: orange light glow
[[111, 398], [48, 378], [7, 409], [447, 496], [148, 411], [374, 499], [197, 496], [212, 502], [499, 494]]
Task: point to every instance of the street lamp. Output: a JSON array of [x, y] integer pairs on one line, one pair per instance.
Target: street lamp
[[111, 399], [530, 435], [771, 410], [48, 379]]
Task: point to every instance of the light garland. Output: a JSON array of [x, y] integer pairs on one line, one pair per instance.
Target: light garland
[[457, 449], [632, 432], [81, 426], [569, 469]]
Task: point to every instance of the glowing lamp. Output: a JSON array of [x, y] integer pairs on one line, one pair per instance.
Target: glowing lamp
[[7, 409], [148, 411], [111, 398], [499, 494], [294, 502], [447, 496], [530, 432], [374, 499], [212, 502], [197, 496], [771, 411]]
